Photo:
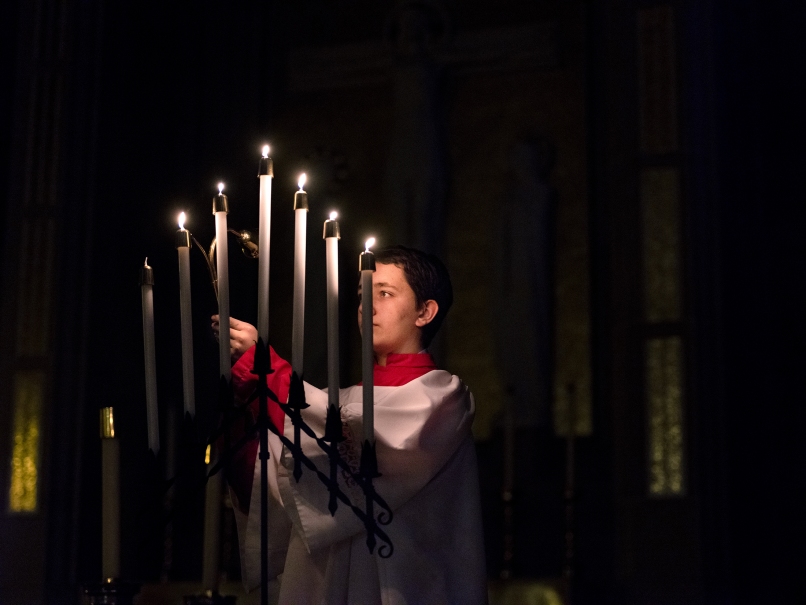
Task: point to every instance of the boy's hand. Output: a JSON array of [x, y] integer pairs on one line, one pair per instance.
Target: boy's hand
[[242, 336]]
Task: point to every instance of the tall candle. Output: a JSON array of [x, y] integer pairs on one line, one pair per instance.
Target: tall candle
[[300, 234], [147, 297], [366, 265], [265, 174], [110, 497], [183, 250], [220, 210], [331, 236], [212, 514]]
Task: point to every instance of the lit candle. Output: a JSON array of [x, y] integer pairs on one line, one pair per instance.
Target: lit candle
[[212, 513], [300, 233], [331, 236], [147, 296], [183, 249], [265, 174], [220, 210], [110, 497], [366, 265]]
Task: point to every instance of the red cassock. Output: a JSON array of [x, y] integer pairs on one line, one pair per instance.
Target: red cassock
[[426, 457]]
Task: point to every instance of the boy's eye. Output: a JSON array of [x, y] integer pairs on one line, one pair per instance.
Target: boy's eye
[[385, 293]]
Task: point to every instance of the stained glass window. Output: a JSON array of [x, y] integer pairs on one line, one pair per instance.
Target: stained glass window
[[664, 394], [26, 435]]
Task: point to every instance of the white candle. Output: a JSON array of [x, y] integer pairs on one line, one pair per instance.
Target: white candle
[[110, 497], [366, 265], [212, 513], [265, 174], [331, 236], [220, 210], [300, 234], [183, 250], [147, 296]]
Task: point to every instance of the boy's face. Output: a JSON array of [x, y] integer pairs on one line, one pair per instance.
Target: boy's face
[[396, 318]]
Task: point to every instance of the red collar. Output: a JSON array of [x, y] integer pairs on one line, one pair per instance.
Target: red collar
[[402, 368]]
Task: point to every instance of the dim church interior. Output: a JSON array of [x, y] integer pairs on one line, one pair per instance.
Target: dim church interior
[[614, 186]]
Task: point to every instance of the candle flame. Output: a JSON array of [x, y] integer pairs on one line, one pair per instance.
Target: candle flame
[[333, 215], [301, 181], [220, 188], [265, 151], [181, 220], [207, 454], [369, 244], [145, 264]]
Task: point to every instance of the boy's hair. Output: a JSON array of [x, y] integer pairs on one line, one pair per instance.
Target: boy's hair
[[427, 276]]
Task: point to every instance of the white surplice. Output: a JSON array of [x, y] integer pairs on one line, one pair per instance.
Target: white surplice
[[429, 478]]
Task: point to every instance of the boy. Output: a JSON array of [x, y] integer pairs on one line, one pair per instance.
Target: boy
[[425, 453]]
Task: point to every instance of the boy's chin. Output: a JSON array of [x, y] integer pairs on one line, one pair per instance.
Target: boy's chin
[[383, 349]]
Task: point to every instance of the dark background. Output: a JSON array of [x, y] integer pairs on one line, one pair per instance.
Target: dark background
[[154, 104]]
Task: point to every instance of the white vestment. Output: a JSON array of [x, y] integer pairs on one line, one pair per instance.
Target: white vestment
[[429, 478]]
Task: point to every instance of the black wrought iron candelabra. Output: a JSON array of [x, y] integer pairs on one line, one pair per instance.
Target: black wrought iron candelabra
[[328, 444]]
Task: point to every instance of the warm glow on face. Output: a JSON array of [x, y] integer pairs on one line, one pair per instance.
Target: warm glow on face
[[369, 244], [220, 188], [301, 181], [181, 220], [265, 151], [333, 215]]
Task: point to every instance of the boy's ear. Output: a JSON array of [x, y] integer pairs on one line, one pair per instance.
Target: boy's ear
[[427, 313]]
